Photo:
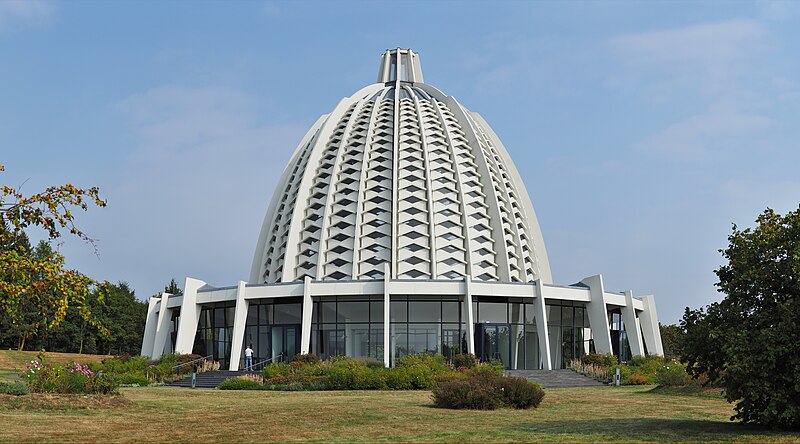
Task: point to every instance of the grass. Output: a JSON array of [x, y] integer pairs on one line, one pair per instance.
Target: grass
[[14, 361], [622, 414]]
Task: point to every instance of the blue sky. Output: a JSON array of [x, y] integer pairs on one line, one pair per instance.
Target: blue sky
[[642, 129]]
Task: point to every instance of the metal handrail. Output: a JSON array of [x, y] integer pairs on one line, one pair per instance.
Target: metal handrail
[[261, 363], [192, 362]]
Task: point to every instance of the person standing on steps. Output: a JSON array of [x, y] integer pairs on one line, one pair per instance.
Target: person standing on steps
[[248, 358]]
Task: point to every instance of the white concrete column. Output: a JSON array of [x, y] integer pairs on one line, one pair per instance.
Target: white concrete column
[[305, 328], [162, 328], [150, 327], [470, 321], [387, 279], [239, 322], [540, 313], [598, 314], [632, 326], [190, 315], [649, 324]]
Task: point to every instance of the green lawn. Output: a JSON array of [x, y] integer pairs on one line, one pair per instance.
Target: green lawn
[[566, 415]]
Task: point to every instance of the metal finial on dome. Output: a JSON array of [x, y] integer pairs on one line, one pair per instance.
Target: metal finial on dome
[[408, 69]]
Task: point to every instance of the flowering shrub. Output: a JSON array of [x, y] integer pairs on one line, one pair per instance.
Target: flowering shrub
[[486, 390], [70, 378]]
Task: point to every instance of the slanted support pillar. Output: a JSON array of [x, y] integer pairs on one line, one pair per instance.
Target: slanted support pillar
[[239, 321], [632, 329], [162, 328], [387, 279], [308, 307], [649, 324], [540, 313], [190, 315], [150, 326], [598, 314], [470, 315]]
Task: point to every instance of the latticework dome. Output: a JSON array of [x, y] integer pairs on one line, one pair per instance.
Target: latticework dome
[[404, 175]]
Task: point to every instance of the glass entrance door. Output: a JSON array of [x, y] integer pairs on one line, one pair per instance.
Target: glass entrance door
[[494, 342], [285, 342]]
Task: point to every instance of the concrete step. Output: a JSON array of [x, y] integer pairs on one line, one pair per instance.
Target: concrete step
[[207, 379], [555, 378]]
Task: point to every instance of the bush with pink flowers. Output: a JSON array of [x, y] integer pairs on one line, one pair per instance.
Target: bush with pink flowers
[[72, 378]]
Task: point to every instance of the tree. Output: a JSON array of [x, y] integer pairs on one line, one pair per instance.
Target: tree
[[750, 341], [172, 287], [44, 282], [671, 338]]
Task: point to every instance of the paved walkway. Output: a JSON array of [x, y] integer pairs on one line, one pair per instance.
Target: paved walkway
[[555, 378]]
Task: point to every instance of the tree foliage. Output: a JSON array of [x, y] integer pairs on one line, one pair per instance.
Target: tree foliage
[[671, 338], [750, 341], [42, 282]]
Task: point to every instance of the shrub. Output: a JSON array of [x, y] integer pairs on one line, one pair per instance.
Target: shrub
[[596, 372], [183, 359], [520, 393], [435, 362], [605, 360], [466, 360], [635, 379], [306, 358], [14, 388], [276, 369], [374, 364], [465, 394], [297, 382], [133, 379], [486, 390], [673, 375], [240, 384], [70, 378]]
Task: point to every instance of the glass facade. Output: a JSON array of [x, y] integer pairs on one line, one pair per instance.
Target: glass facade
[[505, 329], [619, 337], [427, 324], [348, 326], [568, 331], [272, 328], [215, 331]]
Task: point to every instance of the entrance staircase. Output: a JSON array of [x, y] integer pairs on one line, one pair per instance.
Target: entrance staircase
[[207, 380], [555, 378]]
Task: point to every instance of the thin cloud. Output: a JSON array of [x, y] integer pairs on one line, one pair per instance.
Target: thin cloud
[[23, 13]]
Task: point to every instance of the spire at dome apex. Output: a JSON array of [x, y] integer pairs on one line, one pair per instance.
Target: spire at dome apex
[[402, 64]]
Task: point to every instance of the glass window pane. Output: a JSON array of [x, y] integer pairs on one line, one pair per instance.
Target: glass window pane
[[252, 314], [376, 341], [376, 311], [265, 314], [357, 340], [328, 311], [424, 311], [288, 313], [553, 315], [219, 317], [531, 349], [399, 341], [579, 316], [517, 314], [451, 340], [399, 311], [493, 312], [450, 311], [423, 338], [352, 312], [517, 347], [230, 316], [554, 333], [530, 315], [566, 316]]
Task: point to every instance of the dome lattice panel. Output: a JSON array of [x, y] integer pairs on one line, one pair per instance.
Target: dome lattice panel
[[400, 174]]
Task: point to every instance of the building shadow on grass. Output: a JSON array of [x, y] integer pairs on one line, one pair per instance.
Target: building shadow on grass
[[648, 429]]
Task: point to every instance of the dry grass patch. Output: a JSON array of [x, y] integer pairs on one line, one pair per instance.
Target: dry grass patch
[[13, 360], [566, 415], [49, 402]]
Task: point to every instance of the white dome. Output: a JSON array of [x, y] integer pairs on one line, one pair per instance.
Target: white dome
[[400, 174]]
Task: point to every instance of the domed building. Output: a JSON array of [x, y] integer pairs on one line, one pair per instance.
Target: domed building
[[401, 226]]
